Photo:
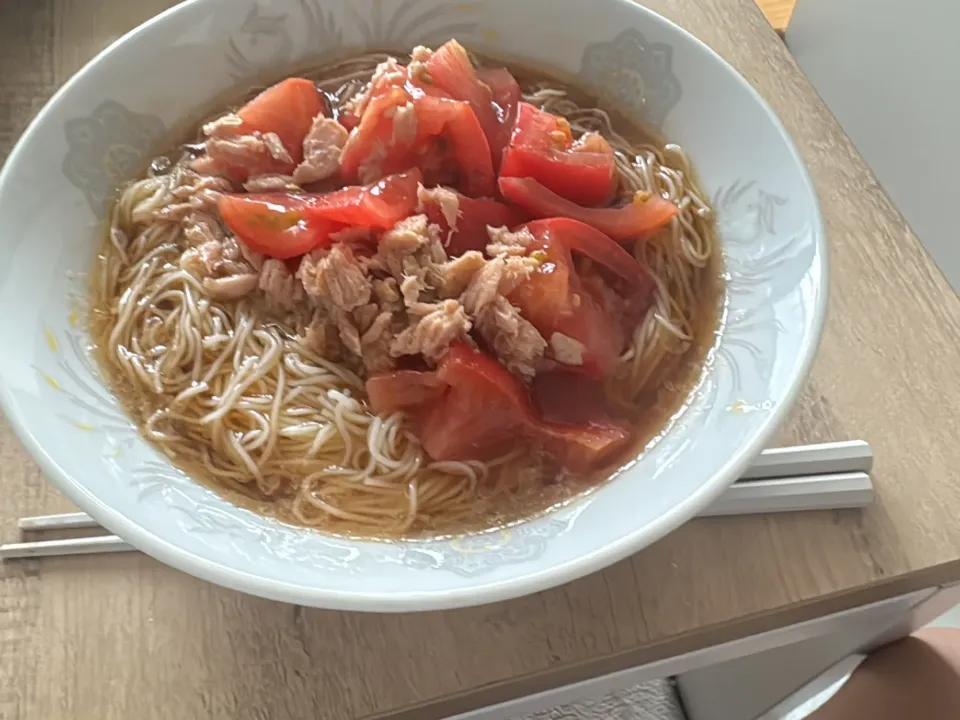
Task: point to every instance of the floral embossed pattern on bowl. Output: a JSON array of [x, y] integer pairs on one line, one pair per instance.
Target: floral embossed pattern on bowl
[[634, 73], [106, 149], [99, 130]]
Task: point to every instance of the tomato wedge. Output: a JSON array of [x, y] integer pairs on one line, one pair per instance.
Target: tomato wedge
[[450, 70], [379, 205], [643, 216], [568, 398], [471, 151], [542, 147], [373, 135], [581, 448], [402, 389], [505, 91], [398, 131], [481, 413], [472, 408], [469, 232], [469, 408], [586, 323], [556, 301], [275, 224], [581, 238], [506, 97], [286, 109]]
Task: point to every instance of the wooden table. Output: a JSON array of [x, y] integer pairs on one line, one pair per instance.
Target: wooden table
[[124, 636]]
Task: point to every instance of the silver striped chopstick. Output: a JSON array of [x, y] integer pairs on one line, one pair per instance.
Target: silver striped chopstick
[[804, 477]]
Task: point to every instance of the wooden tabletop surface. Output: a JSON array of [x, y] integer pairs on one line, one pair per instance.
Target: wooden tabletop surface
[[126, 637]]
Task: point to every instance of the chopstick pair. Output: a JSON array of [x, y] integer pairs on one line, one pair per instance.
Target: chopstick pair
[[804, 477]]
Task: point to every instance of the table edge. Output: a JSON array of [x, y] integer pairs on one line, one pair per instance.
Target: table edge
[[688, 642]]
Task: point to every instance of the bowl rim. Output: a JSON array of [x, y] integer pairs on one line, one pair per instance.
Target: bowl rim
[[477, 593]]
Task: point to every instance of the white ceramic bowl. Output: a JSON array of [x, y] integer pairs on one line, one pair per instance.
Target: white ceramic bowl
[[98, 130]]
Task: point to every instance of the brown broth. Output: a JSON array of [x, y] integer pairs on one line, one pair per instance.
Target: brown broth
[[651, 415]]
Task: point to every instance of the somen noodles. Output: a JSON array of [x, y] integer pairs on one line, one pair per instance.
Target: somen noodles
[[219, 349]]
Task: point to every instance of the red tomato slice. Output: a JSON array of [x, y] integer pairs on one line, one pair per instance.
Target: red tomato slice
[[600, 333], [376, 148], [472, 408], [578, 429], [540, 131], [567, 398], [451, 71], [379, 205], [373, 137], [274, 224], [473, 217], [286, 109], [580, 448], [547, 296], [555, 301], [637, 220], [481, 413], [541, 147], [581, 238], [506, 93], [506, 97], [402, 390], [469, 408], [348, 120], [458, 123]]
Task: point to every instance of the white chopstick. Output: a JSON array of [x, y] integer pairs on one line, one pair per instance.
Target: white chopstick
[[834, 491], [73, 546], [66, 521], [818, 459], [805, 477]]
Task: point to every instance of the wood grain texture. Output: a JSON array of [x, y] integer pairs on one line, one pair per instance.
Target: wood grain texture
[[120, 637]]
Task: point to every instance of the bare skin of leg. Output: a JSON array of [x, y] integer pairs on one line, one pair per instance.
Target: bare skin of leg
[[917, 678]]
